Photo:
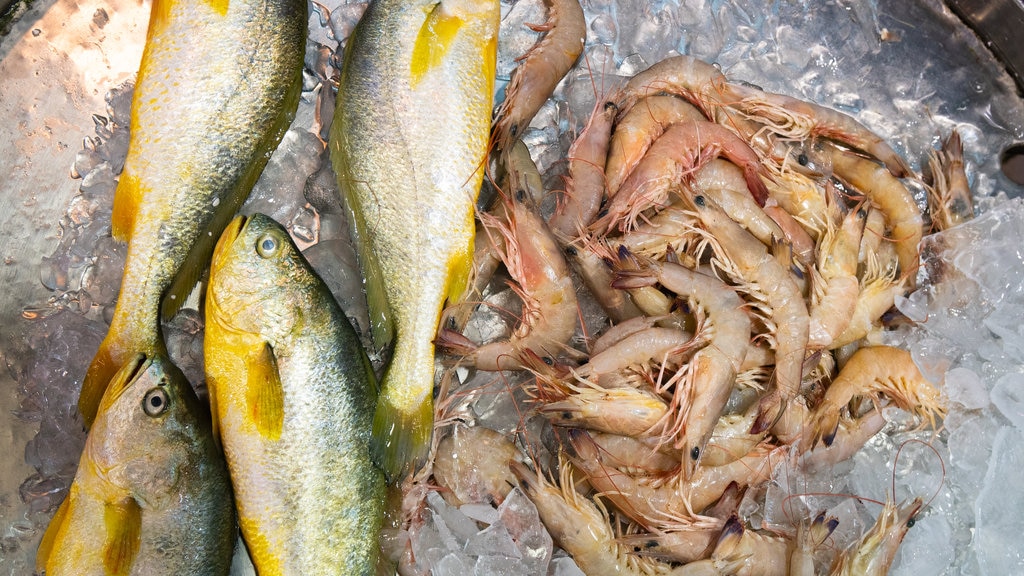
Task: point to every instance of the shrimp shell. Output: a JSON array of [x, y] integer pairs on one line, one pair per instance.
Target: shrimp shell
[[685, 76], [873, 554], [949, 197]]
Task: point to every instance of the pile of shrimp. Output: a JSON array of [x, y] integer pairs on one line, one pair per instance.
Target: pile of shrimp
[[746, 248]]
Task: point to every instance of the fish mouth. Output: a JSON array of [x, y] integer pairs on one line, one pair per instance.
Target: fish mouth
[[123, 379], [231, 233]]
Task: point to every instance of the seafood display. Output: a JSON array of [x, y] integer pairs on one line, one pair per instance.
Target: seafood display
[[292, 394], [648, 315]]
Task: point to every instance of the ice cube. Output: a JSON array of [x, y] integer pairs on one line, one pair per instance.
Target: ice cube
[[964, 387], [1008, 397], [926, 549], [999, 523]]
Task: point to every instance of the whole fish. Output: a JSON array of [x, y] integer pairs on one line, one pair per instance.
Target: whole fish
[[293, 395], [152, 493], [408, 144], [218, 86]]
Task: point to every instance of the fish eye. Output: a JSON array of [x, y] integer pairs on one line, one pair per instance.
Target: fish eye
[[267, 246], [155, 402]]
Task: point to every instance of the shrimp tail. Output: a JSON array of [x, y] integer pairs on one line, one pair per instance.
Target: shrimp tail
[[627, 279], [757, 187], [823, 428], [454, 343], [769, 411]]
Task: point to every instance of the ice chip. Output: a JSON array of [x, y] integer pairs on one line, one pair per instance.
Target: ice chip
[[964, 387], [494, 540], [1008, 397], [923, 550], [500, 566], [461, 526], [519, 515], [565, 566], [454, 564], [480, 512]]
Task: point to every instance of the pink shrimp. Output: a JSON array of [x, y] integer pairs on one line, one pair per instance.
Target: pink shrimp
[[684, 76], [541, 69], [638, 129], [798, 119], [585, 185], [836, 287], [678, 153]]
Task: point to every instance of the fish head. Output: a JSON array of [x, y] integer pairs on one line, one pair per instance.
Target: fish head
[[147, 427], [259, 280]]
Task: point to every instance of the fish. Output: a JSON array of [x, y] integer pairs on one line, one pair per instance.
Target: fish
[[408, 144], [152, 493], [217, 88], [292, 393]]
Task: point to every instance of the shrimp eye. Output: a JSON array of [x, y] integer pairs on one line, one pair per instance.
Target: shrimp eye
[[699, 201], [862, 213], [267, 246], [547, 360], [802, 159], [570, 250], [520, 195], [155, 402], [695, 453], [911, 522], [513, 130]]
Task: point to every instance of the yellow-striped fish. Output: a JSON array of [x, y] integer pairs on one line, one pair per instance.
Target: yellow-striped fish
[[408, 144], [293, 394], [218, 86], [152, 493]]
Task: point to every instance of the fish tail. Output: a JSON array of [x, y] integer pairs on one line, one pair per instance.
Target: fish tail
[[401, 435]]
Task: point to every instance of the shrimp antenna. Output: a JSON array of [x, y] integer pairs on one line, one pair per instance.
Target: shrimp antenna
[[942, 464]]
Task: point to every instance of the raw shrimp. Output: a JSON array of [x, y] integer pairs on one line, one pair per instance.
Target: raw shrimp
[[688, 540], [684, 76], [949, 196], [677, 154], [638, 129], [471, 465], [874, 552], [799, 196], [850, 436], [792, 232], [799, 120], [699, 401], [891, 197], [875, 370], [618, 332], [581, 527], [835, 280], [723, 182], [636, 456], [627, 411], [585, 185], [749, 260], [730, 439], [597, 276], [540, 69], [809, 537], [877, 293], [673, 229], [653, 343], [535, 262]]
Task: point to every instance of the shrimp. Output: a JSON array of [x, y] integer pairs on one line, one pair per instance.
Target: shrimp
[[875, 370], [636, 456], [799, 196], [653, 343], [540, 70], [714, 367], [810, 537], [874, 552], [618, 332], [535, 262], [949, 196], [723, 182], [627, 411], [850, 436], [891, 197], [585, 186], [836, 289], [638, 129], [682, 149], [684, 76], [877, 293], [471, 465], [800, 120], [688, 540], [673, 229], [730, 439], [581, 527], [749, 260], [792, 232], [597, 276]]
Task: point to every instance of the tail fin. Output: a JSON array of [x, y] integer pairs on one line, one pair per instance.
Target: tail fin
[[401, 438]]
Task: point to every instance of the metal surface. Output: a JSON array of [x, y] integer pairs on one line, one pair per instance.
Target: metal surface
[[999, 24]]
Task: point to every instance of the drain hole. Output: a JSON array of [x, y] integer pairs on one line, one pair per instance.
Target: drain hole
[[1012, 163]]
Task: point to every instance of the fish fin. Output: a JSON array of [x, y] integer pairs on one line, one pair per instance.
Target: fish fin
[[123, 521], [433, 41], [127, 199], [211, 387], [50, 536], [264, 392], [401, 439]]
